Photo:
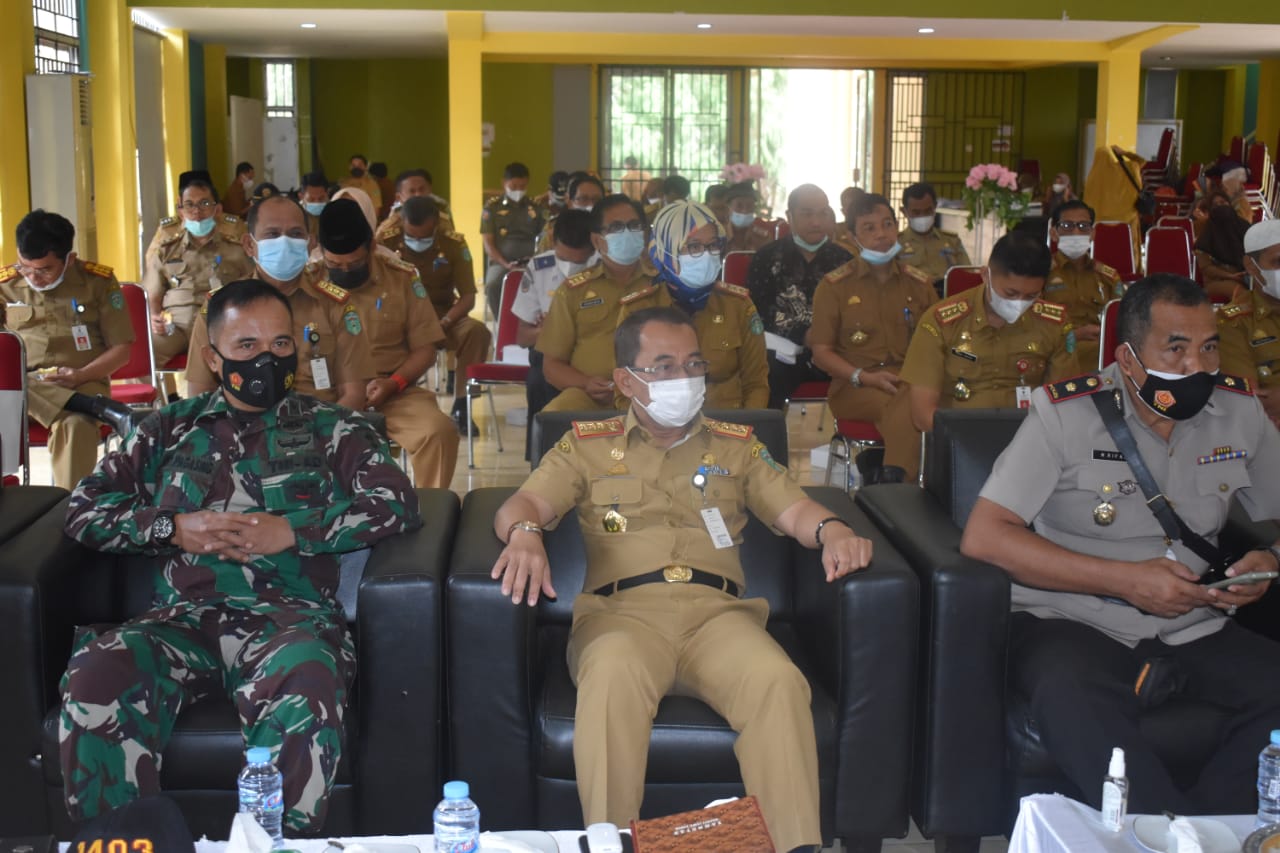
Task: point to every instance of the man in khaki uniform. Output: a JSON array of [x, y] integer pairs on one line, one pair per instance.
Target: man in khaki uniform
[[1250, 324], [864, 314], [584, 193], [1098, 591], [409, 184], [360, 179], [74, 324], [313, 196], [925, 245], [403, 333], [184, 268], [509, 227], [1084, 285], [235, 200], [443, 262], [576, 340], [335, 362], [636, 638], [747, 232], [990, 346]]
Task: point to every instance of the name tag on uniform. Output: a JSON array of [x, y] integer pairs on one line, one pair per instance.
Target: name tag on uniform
[[80, 333], [965, 354], [320, 374], [1022, 394], [1262, 342], [591, 303], [716, 527]]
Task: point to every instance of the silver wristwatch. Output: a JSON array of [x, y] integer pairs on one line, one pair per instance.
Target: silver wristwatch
[[856, 379]]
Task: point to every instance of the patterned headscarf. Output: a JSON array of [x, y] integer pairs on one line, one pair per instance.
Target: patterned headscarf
[[671, 227]]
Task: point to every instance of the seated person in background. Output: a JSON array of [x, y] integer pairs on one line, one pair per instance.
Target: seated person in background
[[626, 651], [172, 226], [313, 197], [386, 189], [584, 193], [410, 183], [747, 232], [576, 340], [1200, 216], [714, 198], [990, 346], [1232, 181], [864, 314], [1058, 192], [555, 200], [509, 228], [675, 188], [844, 230], [687, 245], [924, 245], [235, 200], [1250, 325], [359, 178], [634, 180], [1220, 249], [245, 602], [1076, 280], [652, 199], [1098, 591], [782, 279]]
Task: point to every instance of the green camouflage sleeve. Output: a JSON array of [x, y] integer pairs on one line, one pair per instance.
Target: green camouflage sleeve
[[112, 509]]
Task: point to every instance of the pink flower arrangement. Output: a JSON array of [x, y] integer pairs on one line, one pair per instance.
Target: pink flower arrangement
[[736, 173], [990, 188]]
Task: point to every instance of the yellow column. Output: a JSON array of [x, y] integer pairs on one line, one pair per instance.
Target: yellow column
[[466, 177], [176, 92], [115, 142], [1232, 105], [1118, 85], [215, 115], [874, 182], [1269, 105], [17, 60]]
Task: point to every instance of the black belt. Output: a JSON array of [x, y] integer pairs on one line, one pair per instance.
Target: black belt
[[672, 574]]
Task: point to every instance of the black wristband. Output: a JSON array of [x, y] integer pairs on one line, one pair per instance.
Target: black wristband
[[817, 533]]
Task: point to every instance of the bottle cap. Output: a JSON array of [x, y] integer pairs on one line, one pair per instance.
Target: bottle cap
[[258, 755], [456, 790], [1275, 736], [1117, 763]]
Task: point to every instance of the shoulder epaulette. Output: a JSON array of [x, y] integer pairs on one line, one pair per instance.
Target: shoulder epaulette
[[167, 221], [1235, 309], [953, 235], [841, 271], [1076, 386], [100, 270], [638, 294], [389, 233], [949, 312], [331, 290], [401, 264], [739, 431], [733, 290], [762, 228], [597, 429], [230, 219], [543, 262], [579, 279], [8, 273], [1109, 272], [1235, 384], [231, 238], [918, 274], [1051, 311]]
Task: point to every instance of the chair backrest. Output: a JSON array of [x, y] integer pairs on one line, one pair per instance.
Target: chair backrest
[[960, 279], [13, 403], [1237, 149], [1113, 245], [1165, 149], [1168, 250], [1183, 222], [1192, 184], [142, 358], [963, 448], [735, 266], [508, 322], [781, 229], [1109, 337]]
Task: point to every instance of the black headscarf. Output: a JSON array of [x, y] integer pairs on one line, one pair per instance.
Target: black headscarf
[[1223, 235]]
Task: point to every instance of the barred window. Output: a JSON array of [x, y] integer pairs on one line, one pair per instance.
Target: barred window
[[282, 99], [57, 36]]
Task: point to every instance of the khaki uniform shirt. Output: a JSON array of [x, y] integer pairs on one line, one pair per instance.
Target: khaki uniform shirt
[[180, 275], [326, 324], [1085, 291], [445, 269], [392, 222], [1249, 327], [752, 237], [514, 225], [171, 226], [867, 323], [367, 183], [600, 466], [846, 241], [585, 313], [235, 200], [933, 252], [395, 306], [1062, 464], [957, 352], [88, 296]]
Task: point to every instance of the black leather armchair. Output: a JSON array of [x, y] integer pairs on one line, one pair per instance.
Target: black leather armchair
[[511, 701], [978, 749], [389, 773]]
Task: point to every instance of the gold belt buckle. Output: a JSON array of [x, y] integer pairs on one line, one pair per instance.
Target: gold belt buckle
[[677, 574]]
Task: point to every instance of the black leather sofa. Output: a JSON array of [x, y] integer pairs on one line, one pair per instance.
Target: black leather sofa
[[389, 775], [511, 701], [978, 748]]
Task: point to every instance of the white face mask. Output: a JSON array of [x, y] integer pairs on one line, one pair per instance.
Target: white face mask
[[1075, 245], [570, 268], [921, 224], [701, 271], [515, 195], [1059, 187], [1009, 310], [1270, 283], [741, 220], [674, 402], [45, 288]]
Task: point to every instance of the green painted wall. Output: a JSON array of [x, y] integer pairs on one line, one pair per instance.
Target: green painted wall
[[519, 102], [1051, 121], [1200, 107]]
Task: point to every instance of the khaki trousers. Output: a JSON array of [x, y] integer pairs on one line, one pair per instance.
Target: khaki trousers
[[428, 435], [628, 650], [892, 416], [468, 339], [73, 439]]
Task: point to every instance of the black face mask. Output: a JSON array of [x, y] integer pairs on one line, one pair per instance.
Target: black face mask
[[357, 172], [261, 381], [352, 278], [1174, 396]]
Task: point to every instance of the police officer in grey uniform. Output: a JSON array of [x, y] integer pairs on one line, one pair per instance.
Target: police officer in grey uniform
[[1098, 591]]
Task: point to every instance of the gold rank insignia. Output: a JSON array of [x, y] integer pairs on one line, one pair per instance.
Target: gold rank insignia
[[614, 521], [617, 453], [1051, 311], [595, 429], [962, 391], [331, 290], [1235, 310], [948, 314], [733, 290], [618, 469], [638, 294], [8, 273], [1033, 347], [1067, 389], [1264, 371], [1235, 384], [1104, 514], [739, 431], [100, 270], [855, 300], [719, 318], [858, 337], [562, 446], [708, 459]]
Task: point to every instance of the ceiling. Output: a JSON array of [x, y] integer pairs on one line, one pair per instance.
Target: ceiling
[[363, 33]]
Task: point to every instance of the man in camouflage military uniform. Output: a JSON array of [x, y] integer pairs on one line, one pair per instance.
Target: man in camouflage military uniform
[[925, 245], [409, 184], [1250, 324], [1084, 285], [643, 628], [991, 346], [335, 362], [249, 494], [509, 227], [72, 319], [185, 265]]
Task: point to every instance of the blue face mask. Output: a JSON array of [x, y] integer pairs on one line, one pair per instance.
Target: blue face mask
[[199, 227], [807, 246], [419, 245], [700, 272], [315, 208], [742, 220], [877, 259], [625, 248], [282, 258]]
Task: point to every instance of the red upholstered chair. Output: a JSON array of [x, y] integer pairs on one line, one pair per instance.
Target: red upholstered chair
[[1183, 222], [850, 438], [733, 269], [13, 409], [960, 279], [1113, 245], [1109, 337], [781, 229], [1169, 250], [481, 377], [127, 385]]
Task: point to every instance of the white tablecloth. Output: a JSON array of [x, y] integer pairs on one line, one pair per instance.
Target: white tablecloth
[[1051, 823], [566, 842]]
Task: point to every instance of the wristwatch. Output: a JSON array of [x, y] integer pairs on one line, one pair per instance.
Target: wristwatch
[[856, 379], [528, 526], [162, 529]]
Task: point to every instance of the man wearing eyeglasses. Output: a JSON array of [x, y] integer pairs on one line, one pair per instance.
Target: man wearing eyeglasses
[[660, 485], [1084, 285], [577, 335], [186, 265]]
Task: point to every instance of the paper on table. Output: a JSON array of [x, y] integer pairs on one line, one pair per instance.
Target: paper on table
[[1185, 835], [786, 350], [247, 835]]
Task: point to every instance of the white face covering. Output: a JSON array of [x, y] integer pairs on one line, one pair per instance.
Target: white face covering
[[674, 402], [569, 268], [1271, 283], [1075, 245], [1009, 310], [45, 288], [921, 224], [515, 195]]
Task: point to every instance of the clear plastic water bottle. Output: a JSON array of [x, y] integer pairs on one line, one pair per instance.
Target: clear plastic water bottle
[[1269, 781], [262, 792], [855, 478], [457, 820]]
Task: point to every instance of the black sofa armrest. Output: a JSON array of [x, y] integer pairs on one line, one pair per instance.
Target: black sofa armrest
[[964, 628], [861, 632], [490, 650], [399, 635], [20, 506]]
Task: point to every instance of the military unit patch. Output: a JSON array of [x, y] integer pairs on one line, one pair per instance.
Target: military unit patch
[[757, 325], [542, 262], [117, 300], [596, 429], [337, 294], [1068, 389], [351, 319], [418, 289]]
